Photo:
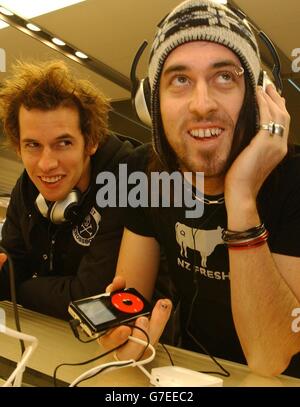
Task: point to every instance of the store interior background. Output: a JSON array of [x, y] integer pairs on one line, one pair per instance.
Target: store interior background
[[111, 33]]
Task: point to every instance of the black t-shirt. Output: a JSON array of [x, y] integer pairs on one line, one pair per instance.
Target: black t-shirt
[[198, 260]]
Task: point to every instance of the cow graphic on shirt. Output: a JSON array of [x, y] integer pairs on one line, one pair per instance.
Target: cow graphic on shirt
[[203, 241]]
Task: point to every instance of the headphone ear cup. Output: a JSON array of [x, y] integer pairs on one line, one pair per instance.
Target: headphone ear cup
[[264, 80], [60, 211], [142, 102], [53, 212], [72, 211], [65, 210]]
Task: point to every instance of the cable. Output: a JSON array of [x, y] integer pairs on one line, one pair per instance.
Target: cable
[[74, 325], [226, 373], [118, 364], [168, 353], [128, 362], [15, 379], [147, 337], [86, 361], [294, 84], [12, 284]]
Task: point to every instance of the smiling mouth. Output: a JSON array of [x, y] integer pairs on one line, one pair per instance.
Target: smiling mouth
[[51, 180], [206, 134]]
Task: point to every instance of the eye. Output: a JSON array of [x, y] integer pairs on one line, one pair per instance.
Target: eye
[[31, 145], [64, 143], [180, 80], [225, 78]]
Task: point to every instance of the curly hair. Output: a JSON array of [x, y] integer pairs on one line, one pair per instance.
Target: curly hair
[[47, 86]]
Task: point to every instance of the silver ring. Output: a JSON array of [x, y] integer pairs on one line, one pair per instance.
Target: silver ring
[[266, 126], [278, 129], [269, 127], [273, 128]]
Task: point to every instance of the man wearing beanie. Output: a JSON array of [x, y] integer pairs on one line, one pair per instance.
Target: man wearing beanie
[[236, 268]]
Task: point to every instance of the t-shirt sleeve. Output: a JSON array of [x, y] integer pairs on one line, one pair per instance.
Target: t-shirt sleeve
[[138, 221], [137, 215]]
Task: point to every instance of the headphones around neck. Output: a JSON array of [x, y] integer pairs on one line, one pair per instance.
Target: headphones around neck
[[66, 210], [141, 91]]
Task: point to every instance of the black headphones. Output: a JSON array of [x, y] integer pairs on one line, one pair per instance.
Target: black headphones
[[141, 91], [57, 212]]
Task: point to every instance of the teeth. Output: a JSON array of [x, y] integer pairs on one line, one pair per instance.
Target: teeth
[[201, 133], [51, 179]]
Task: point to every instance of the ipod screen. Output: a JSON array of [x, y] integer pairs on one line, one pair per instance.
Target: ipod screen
[[97, 312]]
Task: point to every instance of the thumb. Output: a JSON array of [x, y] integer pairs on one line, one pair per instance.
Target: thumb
[[117, 284], [132, 350]]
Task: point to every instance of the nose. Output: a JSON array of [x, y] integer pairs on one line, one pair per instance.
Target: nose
[[47, 161], [202, 101]]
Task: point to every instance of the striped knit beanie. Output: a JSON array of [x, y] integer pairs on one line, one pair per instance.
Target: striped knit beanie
[[203, 20]]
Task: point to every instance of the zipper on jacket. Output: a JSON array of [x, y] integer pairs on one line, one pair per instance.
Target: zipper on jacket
[[52, 232], [51, 255]]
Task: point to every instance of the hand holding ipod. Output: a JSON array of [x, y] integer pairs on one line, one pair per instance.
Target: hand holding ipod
[[154, 327], [99, 313]]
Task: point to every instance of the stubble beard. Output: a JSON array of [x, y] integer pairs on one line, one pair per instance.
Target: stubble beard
[[210, 163]]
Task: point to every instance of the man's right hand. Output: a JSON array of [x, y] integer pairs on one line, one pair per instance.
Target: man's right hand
[[3, 259], [154, 327]]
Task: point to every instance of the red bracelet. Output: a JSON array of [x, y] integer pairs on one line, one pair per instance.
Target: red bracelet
[[249, 243], [246, 247]]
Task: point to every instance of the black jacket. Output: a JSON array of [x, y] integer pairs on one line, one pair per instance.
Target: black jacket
[[55, 264]]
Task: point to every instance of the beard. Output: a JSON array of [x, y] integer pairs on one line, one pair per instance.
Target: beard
[[213, 163], [210, 163]]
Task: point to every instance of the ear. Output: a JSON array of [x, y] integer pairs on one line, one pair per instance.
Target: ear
[[92, 149], [18, 151]]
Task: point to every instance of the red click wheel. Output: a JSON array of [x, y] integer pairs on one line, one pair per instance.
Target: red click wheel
[[127, 302]]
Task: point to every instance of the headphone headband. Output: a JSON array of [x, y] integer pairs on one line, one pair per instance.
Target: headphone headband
[[140, 90]]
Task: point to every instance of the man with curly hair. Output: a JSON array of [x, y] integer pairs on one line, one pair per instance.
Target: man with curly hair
[[63, 246]]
